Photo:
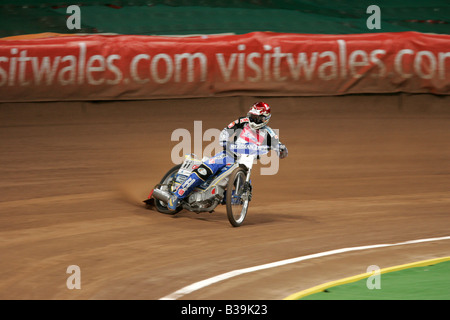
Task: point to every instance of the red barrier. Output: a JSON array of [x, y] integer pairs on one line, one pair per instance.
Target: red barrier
[[97, 67]]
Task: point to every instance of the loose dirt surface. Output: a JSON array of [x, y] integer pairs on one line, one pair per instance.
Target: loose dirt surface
[[361, 170]]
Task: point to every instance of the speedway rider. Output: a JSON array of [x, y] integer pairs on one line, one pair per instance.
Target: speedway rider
[[251, 136]]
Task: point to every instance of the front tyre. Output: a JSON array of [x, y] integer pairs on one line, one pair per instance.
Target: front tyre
[[237, 197]]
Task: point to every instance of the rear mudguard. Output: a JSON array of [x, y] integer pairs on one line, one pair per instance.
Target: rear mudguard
[[150, 202]]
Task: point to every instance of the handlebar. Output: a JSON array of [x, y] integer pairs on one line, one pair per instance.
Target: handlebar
[[235, 153]]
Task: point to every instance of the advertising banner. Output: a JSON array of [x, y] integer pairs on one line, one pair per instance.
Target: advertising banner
[[118, 67]]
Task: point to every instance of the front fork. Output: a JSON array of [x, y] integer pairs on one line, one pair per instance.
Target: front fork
[[247, 188]]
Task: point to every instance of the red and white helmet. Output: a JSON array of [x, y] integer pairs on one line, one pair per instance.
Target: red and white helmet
[[259, 115]]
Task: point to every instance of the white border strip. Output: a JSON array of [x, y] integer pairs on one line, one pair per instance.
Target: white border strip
[[224, 276]]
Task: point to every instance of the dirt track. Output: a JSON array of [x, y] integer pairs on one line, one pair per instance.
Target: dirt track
[[361, 170]]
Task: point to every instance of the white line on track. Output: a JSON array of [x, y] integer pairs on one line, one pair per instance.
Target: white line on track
[[224, 276]]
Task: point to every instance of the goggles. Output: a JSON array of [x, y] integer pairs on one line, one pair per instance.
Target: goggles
[[256, 118]]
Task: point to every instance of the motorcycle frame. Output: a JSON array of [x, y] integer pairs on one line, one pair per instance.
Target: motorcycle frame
[[243, 160]]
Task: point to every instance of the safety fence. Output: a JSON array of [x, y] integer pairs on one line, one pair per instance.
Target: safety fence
[[117, 67]]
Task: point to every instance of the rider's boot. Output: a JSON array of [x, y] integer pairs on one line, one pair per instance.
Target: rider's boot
[[172, 204], [197, 177]]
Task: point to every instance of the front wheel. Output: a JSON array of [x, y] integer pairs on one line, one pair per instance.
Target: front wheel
[[237, 197]]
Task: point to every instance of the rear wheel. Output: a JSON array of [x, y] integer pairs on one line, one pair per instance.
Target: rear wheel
[[238, 197], [166, 185]]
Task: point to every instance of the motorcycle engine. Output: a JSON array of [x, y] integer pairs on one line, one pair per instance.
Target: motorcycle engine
[[205, 199]]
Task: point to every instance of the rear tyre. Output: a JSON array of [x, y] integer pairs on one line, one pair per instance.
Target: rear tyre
[[167, 180], [237, 198]]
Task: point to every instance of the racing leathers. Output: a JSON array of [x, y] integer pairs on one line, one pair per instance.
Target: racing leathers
[[244, 141]]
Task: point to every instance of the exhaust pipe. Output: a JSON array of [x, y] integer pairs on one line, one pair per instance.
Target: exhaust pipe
[[161, 195]]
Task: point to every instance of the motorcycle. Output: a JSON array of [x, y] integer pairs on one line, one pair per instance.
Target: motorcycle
[[230, 186]]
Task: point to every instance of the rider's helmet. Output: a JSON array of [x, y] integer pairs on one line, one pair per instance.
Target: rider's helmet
[[259, 115]]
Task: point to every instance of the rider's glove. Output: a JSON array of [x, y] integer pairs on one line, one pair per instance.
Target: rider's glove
[[283, 151]]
